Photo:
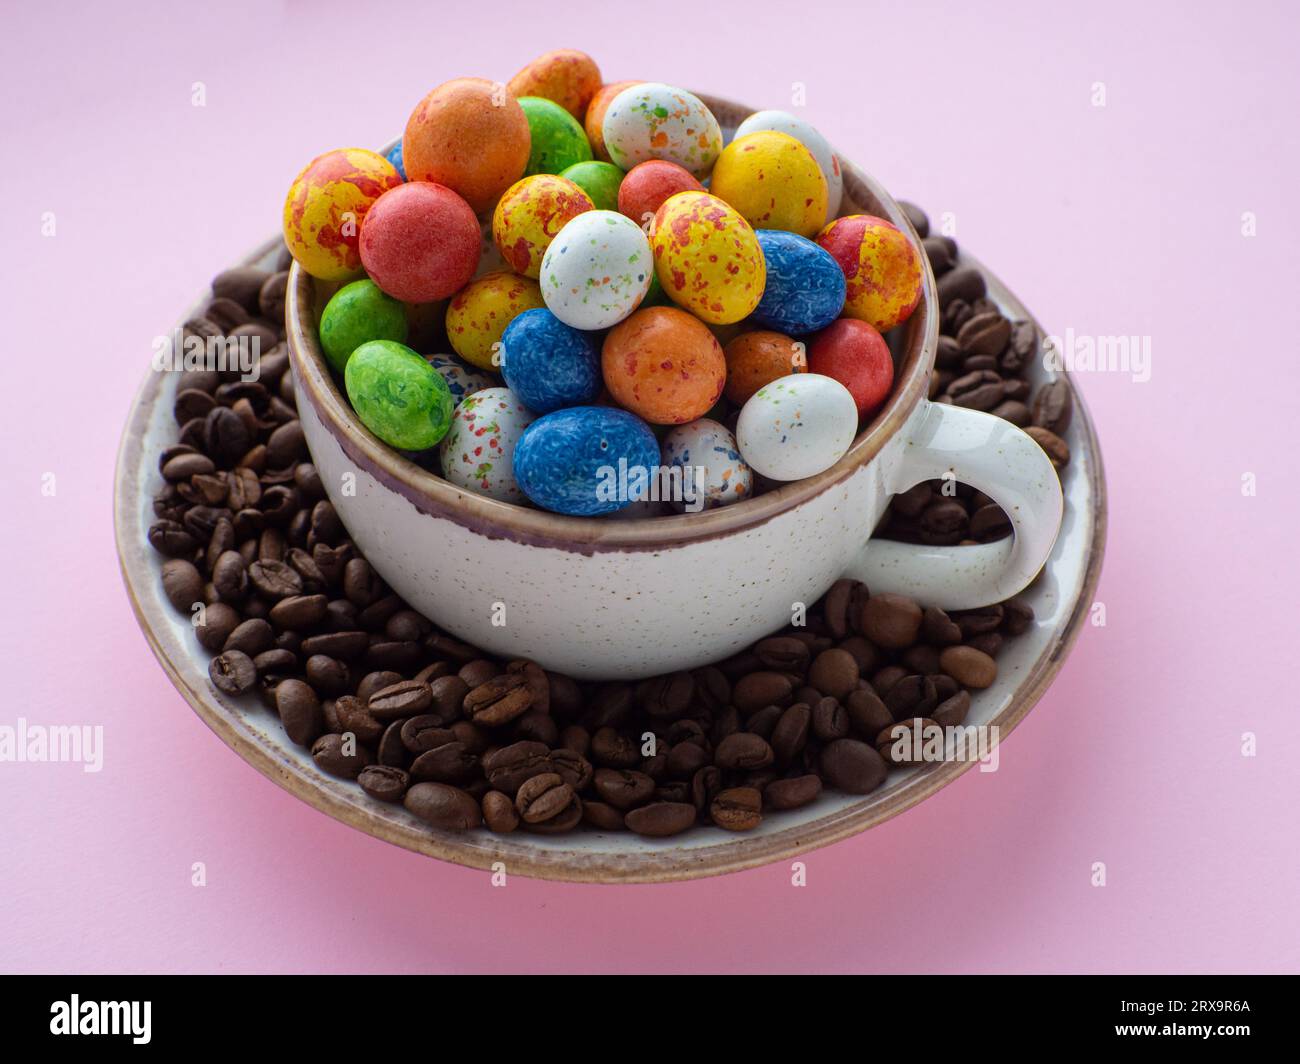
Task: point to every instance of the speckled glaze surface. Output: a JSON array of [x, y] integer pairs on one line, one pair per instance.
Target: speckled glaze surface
[[601, 599], [1060, 597]]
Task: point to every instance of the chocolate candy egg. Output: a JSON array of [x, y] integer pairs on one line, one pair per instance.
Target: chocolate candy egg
[[461, 380], [326, 205], [480, 312], [856, 355], [478, 451], [797, 426], [586, 460], [557, 138], [599, 180], [594, 121], [420, 242], [597, 270], [664, 365], [548, 364], [530, 214], [805, 285], [810, 138], [708, 258], [702, 467], [397, 395], [774, 181], [652, 120], [566, 76], [471, 135], [357, 313], [648, 184], [758, 358], [881, 267]]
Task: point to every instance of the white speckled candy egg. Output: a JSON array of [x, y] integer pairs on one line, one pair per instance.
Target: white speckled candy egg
[[463, 380], [657, 121], [810, 138], [478, 451], [712, 471], [797, 426], [597, 270]]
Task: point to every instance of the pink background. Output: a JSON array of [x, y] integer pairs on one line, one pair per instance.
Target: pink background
[[1117, 220]]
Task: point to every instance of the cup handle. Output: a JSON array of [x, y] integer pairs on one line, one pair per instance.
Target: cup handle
[[997, 458]]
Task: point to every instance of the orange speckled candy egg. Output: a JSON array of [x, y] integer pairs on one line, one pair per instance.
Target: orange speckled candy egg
[[663, 365], [479, 314], [567, 76], [325, 207], [707, 257], [471, 135], [530, 214], [758, 358], [774, 181], [595, 120], [881, 267]]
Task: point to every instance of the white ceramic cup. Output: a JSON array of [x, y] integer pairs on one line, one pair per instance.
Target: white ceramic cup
[[596, 598]]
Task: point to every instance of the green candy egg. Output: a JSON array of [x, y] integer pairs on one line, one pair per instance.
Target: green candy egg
[[397, 395], [558, 139], [598, 180], [357, 313]]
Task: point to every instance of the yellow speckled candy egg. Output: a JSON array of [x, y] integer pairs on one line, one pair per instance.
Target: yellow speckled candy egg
[[657, 121], [529, 216], [774, 181], [707, 257], [480, 312], [325, 206]]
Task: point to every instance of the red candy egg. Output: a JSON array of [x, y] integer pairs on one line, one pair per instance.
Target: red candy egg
[[855, 354], [648, 184], [420, 242]]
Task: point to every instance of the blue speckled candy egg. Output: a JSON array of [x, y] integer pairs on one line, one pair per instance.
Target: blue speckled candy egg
[[462, 379], [712, 471], [797, 426], [548, 364], [586, 460], [805, 285], [394, 156]]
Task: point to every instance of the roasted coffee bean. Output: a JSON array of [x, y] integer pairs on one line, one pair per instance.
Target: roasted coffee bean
[[182, 584], [346, 645], [542, 798], [891, 621], [610, 706], [944, 523], [274, 580], [737, 809], [499, 813], [969, 667], [300, 711], [666, 697], [406, 626], [883, 681], [601, 816], [783, 654], [509, 766], [984, 334], [834, 673], [964, 282], [340, 755], [566, 820], [794, 792], [978, 621], [1054, 406], [219, 620], [287, 446], [867, 712], [952, 711], [447, 763], [233, 672], [978, 390], [537, 726], [1056, 449], [573, 768], [853, 766], [300, 611], [443, 806], [938, 628], [743, 751], [705, 784], [351, 715], [252, 637], [660, 819], [225, 435], [361, 584], [230, 576], [391, 750], [271, 296], [499, 701], [830, 720], [406, 698], [916, 218], [171, 538], [912, 696], [401, 657], [758, 689], [476, 673], [921, 658], [576, 738], [385, 782], [764, 721], [686, 759], [614, 750], [1017, 616], [835, 609], [989, 523], [791, 732], [278, 662], [184, 466], [989, 643], [447, 697]]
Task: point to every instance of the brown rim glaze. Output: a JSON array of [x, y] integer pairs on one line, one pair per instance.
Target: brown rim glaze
[[659, 861], [431, 494]]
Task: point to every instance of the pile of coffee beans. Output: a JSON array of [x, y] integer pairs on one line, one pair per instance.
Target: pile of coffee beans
[[293, 613], [982, 363]]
